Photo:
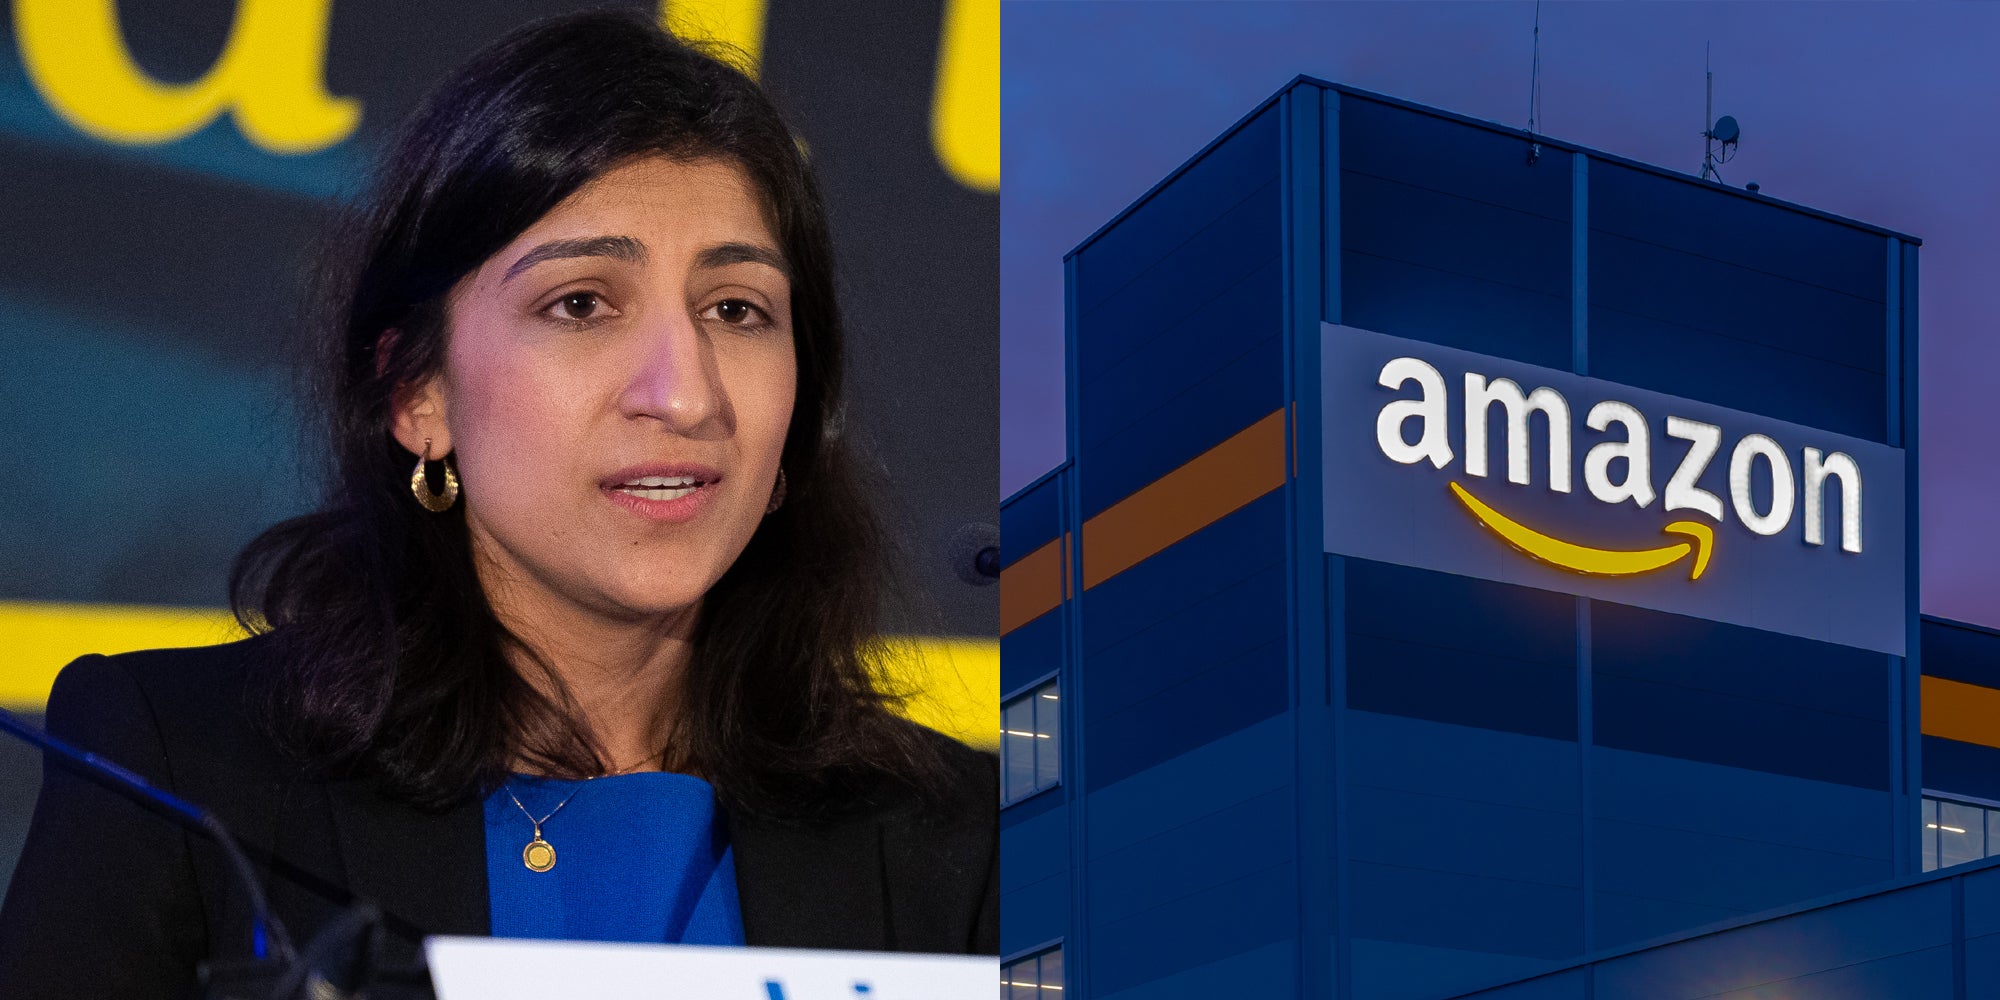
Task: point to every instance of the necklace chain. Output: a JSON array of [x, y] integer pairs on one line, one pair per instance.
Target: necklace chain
[[538, 822]]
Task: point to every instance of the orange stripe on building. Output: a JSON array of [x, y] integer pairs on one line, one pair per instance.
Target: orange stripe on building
[[1213, 485], [1033, 586], [1959, 711]]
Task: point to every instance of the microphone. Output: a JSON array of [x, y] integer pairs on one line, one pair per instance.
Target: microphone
[[975, 554], [337, 962], [267, 935]]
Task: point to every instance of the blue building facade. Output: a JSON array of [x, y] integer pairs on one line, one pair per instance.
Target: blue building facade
[[1478, 558]]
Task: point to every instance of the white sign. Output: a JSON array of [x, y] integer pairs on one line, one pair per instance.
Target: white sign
[[1456, 462], [470, 968]]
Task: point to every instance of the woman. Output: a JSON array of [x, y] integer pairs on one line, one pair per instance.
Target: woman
[[579, 645]]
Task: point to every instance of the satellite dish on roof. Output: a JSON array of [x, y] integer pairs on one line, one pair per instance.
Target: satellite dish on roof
[[1724, 138], [1720, 140], [1726, 130]]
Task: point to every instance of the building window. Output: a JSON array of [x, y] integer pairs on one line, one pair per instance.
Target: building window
[[1030, 743], [1957, 831], [1034, 977]]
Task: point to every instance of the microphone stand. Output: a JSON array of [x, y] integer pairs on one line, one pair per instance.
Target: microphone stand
[[339, 963]]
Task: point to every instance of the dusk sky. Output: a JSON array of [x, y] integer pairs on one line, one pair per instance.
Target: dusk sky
[[1884, 113]]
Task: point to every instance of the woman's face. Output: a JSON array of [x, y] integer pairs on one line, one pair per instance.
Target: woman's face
[[616, 390]]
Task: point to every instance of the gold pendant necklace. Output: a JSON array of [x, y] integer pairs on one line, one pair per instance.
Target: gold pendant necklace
[[540, 855]]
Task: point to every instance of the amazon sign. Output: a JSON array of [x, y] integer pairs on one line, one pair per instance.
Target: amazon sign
[[1447, 460]]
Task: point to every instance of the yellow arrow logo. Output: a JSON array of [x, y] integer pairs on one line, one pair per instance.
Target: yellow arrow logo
[[1584, 559]]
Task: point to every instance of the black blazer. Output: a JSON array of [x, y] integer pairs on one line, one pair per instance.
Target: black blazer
[[112, 900]]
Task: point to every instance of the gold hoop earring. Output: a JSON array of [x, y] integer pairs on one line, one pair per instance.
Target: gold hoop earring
[[777, 495], [436, 503]]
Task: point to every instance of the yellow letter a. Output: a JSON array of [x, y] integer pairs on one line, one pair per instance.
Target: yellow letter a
[[965, 114], [271, 74]]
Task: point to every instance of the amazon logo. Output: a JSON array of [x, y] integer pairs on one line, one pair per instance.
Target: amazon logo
[[1619, 468]]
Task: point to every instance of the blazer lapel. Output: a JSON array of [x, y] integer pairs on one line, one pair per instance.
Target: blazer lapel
[[811, 887], [423, 869]]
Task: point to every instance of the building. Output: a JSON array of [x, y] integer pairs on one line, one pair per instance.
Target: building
[[1483, 560]]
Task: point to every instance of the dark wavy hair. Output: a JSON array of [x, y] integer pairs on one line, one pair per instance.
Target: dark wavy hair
[[388, 659]]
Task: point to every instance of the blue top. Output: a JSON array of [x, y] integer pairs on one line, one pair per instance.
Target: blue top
[[639, 857]]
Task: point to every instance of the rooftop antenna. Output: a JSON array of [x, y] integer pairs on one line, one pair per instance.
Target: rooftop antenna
[[1719, 141], [1535, 90]]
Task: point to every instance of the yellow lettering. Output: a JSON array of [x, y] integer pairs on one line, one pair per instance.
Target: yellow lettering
[[965, 113], [271, 76], [737, 24]]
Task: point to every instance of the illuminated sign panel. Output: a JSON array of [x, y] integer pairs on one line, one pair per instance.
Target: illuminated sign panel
[[1463, 463]]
